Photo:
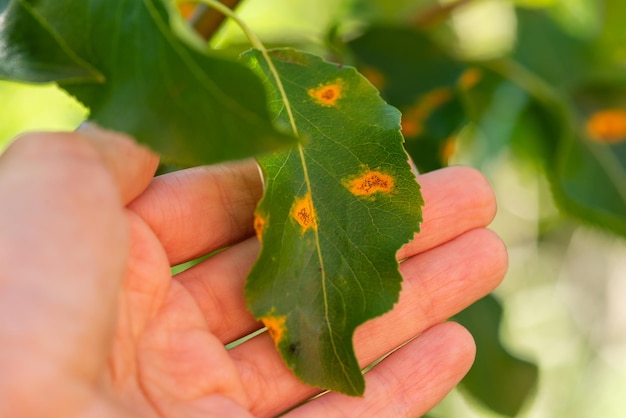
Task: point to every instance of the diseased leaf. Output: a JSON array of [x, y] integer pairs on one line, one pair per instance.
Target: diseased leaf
[[333, 216], [590, 165], [584, 117], [123, 60]]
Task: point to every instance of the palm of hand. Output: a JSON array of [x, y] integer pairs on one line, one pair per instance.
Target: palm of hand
[[179, 327], [147, 344]]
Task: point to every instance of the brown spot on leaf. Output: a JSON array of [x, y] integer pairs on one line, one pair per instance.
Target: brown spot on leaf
[[607, 126]]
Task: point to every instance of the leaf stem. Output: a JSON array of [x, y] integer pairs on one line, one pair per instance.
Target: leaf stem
[[256, 42]]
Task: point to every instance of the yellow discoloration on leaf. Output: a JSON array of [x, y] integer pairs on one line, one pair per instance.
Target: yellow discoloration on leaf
[[371, 182], [414, 117], [276, 326], [376, 77], [327, 94], [470, 78], [259, 226], [607, 126], [304, 213]]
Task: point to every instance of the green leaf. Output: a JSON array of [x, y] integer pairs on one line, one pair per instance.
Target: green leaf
[[335, 212], [587, 170], [548, 51], [125, 62], [498, 379], [31, 51], [590, 165]]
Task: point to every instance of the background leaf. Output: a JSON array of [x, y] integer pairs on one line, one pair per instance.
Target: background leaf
[[587, 171], [331, 220], [498, 379], [123, 60]]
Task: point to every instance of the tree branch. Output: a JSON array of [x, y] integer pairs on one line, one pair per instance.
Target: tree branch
[[206, 20]]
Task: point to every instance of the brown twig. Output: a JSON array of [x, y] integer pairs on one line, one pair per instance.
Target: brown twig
[[437, 14], [206, 21]]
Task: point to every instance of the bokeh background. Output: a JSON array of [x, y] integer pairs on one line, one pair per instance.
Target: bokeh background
[[563, 297]]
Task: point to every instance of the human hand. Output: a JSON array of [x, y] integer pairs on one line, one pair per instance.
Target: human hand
[[93, 324]]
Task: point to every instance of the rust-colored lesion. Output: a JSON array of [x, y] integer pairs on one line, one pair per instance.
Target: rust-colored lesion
[[304, 213], [276, 326], [607, 126], [371, 182], [448, 149], [470, 78], [259, 226], [327, 94]]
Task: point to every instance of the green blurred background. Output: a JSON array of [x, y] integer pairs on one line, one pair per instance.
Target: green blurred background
[[562, 299]]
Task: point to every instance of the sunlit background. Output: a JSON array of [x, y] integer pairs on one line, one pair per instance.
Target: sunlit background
[[564, 293]]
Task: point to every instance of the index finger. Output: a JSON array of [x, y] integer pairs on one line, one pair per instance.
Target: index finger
[[201, 209]]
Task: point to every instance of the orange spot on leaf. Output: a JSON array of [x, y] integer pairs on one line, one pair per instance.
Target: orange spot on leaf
[[276, 326], [186, 9], [470, 78], [371, 182], [414, 117], [304, 213], [607, 126], [259, 226], [448, 150], [327, 94]]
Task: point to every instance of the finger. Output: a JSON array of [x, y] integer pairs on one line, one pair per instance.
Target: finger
[[408, 383], [199, 210], [457, 200], [438, 284], [217, 287], [63, 248], [131, 164]]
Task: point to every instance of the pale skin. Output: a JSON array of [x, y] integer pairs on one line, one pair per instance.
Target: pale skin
[[92, 324]]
